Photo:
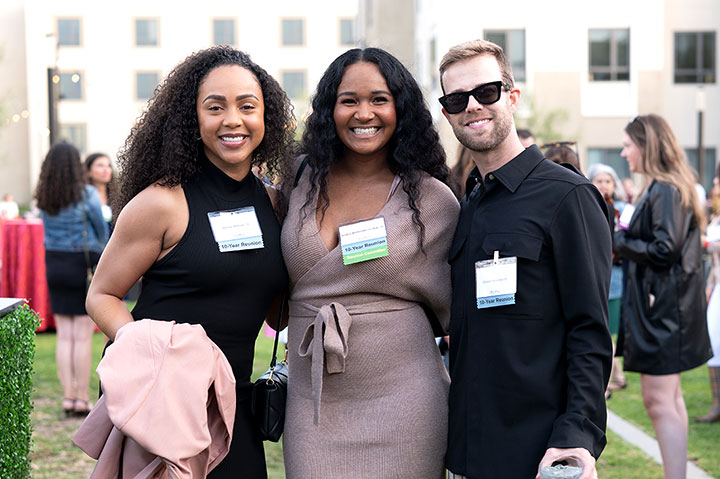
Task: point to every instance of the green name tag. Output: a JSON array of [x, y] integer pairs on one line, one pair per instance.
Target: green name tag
[[363, 240]]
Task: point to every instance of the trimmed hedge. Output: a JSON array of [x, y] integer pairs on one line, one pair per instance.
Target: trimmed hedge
[[17, 352]]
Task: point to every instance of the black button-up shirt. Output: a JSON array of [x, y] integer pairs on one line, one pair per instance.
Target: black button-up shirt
[[531, 375]]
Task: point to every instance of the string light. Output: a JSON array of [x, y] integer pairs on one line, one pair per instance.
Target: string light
[[16, 117]]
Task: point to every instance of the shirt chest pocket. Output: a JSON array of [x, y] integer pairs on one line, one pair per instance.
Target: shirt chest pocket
[[527, 248]]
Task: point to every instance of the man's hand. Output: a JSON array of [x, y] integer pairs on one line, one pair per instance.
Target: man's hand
[[576, 456]]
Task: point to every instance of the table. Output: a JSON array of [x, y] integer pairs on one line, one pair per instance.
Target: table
[[23, 267]]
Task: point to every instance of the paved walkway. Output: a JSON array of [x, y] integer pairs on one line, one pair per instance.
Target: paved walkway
[[647, 444]]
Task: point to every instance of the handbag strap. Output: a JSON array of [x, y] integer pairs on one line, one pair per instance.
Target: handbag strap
[[277, 333]]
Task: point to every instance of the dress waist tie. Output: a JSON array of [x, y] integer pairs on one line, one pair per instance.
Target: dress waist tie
[[326, 338]]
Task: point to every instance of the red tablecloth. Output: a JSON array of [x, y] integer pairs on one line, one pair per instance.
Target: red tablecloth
[[23, 267]]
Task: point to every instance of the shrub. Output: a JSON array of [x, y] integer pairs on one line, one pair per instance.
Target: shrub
[[17, 351]]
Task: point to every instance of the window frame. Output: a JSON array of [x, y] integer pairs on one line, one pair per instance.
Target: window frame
[[304, 73], [303, 22], [234, 30], [136, 96], [340, 33], [80, 32], [699, 70], [508, 49], [614, 69], [135, 32], [83, 127], [81, 73]]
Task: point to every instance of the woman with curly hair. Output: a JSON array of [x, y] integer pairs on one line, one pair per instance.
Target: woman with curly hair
[[187, 191], [366, 243], [664, 331], [75, 235]]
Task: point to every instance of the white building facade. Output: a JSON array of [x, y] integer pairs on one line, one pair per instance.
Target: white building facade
[[111, 55], [594, 64]]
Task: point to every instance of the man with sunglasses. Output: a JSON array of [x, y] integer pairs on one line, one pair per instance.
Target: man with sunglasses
[[530, 351]]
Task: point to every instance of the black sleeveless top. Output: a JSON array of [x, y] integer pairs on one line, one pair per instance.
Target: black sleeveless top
[[227, 293]]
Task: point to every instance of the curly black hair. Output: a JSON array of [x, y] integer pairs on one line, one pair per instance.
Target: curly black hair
[[414, 147], [111, 190], [164, 145], [61, 179]]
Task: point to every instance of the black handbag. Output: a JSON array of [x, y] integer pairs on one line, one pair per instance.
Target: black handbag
[[269, 393]]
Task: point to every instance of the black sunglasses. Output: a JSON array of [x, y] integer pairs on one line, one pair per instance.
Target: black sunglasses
[[486, 94]]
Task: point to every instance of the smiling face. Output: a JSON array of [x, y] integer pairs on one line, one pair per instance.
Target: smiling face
[[230, 112], [100, 171], [604, 183], [364, 112], [632, 153], [480, 127]]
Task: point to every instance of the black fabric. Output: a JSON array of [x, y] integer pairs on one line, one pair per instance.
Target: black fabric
[[531, 375], [228, 293], [664, 254], [66, 273]]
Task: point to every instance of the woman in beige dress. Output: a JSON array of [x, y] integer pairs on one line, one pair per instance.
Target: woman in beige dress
[[366, 242]]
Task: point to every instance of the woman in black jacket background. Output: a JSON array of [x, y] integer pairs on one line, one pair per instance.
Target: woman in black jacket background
[[664, 331]]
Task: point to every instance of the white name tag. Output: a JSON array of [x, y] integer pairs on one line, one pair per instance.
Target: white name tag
[[626, 216], [495, 282], [236, 230], [363, 241]]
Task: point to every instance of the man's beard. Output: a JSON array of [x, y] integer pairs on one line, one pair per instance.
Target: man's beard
[[501, 127]]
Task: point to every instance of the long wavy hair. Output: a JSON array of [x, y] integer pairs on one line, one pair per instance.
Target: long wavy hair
[[664, 160], [164, 145], [111, 188], [414, 147], [61, 179]]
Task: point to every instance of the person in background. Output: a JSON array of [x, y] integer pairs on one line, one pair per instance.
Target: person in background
[[526, 137], [460, 171], [186, 199], [375, 166], [562, 152], [630, 190], [712, 293], [664, 325], [100, 174], [75, 235], [608, 184], [530, 351], [8, 208]]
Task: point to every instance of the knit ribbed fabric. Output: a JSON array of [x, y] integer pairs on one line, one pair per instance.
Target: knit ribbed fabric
[[382, 395]]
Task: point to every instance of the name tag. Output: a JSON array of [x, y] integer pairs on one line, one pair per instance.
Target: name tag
[[363, 241], [626, 216], [236, 230], [495, 281]]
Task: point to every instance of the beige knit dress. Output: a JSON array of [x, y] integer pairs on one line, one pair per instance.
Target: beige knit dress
[[367, 396]]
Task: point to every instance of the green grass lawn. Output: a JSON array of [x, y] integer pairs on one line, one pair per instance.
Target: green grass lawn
[[703, 439], [54, 456]]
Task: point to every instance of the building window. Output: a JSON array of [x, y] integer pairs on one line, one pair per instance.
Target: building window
[[610, 157], [513, 44], [68, 32], [147, 32], [695, 57], [76, 135], [293, 82], [609, 54], [71, 86], [347, 32], [708, 166], [145, 83], [293, 32], [224, 31]]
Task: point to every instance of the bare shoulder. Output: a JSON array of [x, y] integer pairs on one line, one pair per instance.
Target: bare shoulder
[[157, 211]]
